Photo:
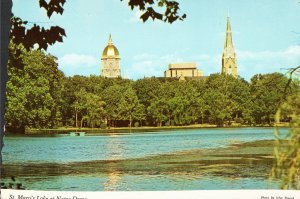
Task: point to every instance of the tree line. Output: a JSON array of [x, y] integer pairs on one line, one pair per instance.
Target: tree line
[[39, 95]]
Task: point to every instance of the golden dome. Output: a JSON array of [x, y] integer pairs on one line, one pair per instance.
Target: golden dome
[[110, 51]]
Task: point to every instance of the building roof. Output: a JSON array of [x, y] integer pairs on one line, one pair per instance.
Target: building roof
[[183, 65], [110, 51]]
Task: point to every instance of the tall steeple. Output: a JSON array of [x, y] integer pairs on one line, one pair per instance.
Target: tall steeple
[[229, 63]]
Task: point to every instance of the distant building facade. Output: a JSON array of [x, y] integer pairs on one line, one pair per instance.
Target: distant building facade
[[110, 61], [185, 69], [229, 63]]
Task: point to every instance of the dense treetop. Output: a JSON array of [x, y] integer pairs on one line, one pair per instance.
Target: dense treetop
[[40, 96]]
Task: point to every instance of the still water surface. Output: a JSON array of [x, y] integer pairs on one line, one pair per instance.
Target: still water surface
[[167, 160]]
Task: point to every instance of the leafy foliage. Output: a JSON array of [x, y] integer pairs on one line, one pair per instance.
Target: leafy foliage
[[267, 93], [12, 184], [33, 90], [169, 15], [43, 37], [40, 96], [52, 6], [287, 151], [129, 106], [36, 34]]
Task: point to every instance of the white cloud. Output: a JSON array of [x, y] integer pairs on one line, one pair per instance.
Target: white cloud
[[290, 53], [77, 59], [147, 65], [250, 63], [209, 64], [202, 57], [79, 64], [144, 56]]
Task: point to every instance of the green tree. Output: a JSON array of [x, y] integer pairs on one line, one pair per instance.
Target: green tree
[[94, 109], [147, 89], [219, 107], [33, 90], [140, 114], [79, 106], [129, 106], [72, 85], [198, 108], [178, 106], [89, 107], [112, 96], [267, 92], [158, 110], [218, 96]]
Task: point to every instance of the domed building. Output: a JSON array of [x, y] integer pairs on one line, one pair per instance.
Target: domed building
[[110, 66]]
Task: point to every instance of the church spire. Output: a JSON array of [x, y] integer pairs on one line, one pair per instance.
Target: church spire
[[229, 64], [228, 41]]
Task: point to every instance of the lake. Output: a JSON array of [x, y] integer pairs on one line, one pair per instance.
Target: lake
[[182, 159]]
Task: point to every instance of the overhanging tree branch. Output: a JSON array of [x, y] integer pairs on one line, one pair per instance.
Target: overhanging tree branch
[[44, 37]]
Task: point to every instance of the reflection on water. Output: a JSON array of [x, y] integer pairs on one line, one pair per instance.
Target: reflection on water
[[114, 146], [238, 160], [81, 149], [114, 181]]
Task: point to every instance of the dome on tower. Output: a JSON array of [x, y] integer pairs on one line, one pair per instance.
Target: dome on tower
[[110, 51]]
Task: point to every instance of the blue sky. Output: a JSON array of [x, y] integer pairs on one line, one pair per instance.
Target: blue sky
[[266, 35]]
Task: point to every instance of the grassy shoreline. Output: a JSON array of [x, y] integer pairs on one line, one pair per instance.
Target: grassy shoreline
[[64, 130]]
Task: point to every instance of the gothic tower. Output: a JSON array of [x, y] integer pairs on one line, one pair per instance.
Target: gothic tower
[[110, 66], [229, 65]]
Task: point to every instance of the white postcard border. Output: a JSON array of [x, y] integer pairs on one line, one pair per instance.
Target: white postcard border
[[206, 194]]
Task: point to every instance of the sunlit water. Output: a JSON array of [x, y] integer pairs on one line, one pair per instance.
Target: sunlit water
[[109, 162]]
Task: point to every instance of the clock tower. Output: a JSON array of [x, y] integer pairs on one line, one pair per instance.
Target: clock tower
[[110, 66]]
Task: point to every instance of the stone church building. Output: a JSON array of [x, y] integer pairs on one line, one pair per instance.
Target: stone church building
[[185, 69], [189, 70]]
